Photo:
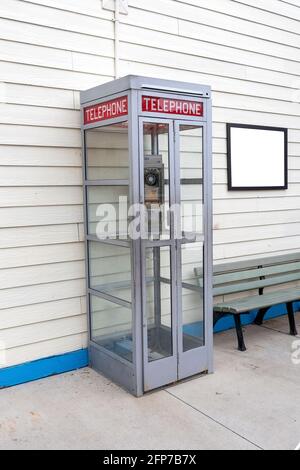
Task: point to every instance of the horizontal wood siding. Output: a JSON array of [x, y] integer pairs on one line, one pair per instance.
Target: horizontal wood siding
[[247, 50]]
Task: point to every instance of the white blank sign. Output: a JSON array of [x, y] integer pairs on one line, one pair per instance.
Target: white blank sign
[[257, 158]]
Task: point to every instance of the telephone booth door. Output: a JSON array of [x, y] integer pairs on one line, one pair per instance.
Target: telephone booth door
[[173, 254]]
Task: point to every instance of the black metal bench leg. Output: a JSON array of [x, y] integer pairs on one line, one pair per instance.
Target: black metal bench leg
[[239, 332], [291, 315], [260, 316]]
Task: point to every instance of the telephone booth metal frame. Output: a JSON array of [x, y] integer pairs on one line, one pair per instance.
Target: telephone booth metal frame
[[123, 103]]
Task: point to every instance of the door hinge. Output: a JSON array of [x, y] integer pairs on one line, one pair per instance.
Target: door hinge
[[111, 6]]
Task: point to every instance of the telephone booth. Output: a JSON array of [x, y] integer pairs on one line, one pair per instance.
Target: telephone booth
[[148, 219]]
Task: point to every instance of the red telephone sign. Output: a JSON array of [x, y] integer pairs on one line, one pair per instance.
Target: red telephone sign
[[155, 104], [106, 110]]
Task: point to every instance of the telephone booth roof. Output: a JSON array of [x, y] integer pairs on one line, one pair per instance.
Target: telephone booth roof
[[134, 82]]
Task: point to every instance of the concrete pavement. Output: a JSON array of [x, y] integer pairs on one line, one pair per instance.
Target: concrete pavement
[[251, 402]]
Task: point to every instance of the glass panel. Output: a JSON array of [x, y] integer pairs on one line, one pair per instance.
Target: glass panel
[[156, 180], [111, 327], [192, 296], [107, 152], [191, 176], [191, 185], [110, 269], [159, 306], [108, 211]]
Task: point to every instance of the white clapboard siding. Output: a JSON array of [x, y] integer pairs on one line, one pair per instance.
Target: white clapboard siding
[[255, 205], [62, 19], [40, 196], [246, 50], [38, 255], [21, 296], [223, 20], [255, 219], [38, 116], [34, 236], [140, 53], [237, 40], [39, 136], [219, 130], [275, 106], [152, 20], [211, 51], [37, 176], [48, 77], [260, 248], [236, 235], [40, 156], [218, 83], [221, 192], [35, 351], [237, 10], [42, 274], [34, 216], [288, 9], [46, 311], [63, 60], [244, 117], [17, 52], [36, 96], [56, 38], [37, 332], [90, 7]]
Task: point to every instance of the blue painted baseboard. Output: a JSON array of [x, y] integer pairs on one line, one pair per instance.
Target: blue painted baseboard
[[42, 368]]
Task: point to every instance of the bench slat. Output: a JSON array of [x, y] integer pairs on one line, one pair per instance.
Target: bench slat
[[255, 273], [258, 302], [252, 263], [247, 286]]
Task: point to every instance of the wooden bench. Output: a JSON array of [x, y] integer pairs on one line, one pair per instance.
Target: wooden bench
[[256, 276]]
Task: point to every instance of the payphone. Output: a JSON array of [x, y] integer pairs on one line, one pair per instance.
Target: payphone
[[148, 173], [154, 193], [154, 180]]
